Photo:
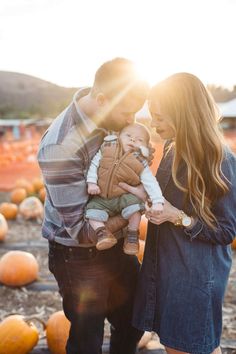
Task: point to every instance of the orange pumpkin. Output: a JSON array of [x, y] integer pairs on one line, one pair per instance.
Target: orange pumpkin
[[3, 227], [17, 335], [57, 332], [18, 268], [233, 244], [42, 194], [23, 183], [38, 184], [9, 210], [18, 194], [143, 228], [141, 250]]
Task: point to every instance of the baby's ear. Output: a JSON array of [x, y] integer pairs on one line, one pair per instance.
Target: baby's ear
[[144, 151]]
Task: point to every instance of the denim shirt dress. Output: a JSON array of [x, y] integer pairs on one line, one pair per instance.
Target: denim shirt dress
[[184, 272]]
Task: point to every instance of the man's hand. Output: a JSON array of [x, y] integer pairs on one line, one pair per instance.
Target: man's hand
[[93, 189], [88, 235], [116, 223], [139, 191]]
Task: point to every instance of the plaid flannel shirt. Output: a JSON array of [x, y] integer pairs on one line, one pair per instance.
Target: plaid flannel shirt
[[64, 156]]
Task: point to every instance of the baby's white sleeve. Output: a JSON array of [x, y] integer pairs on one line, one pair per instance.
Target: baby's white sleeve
[[92, 175], [151, 186]]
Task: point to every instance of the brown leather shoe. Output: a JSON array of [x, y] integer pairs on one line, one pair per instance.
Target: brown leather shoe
[[131, 242], [105, 239]]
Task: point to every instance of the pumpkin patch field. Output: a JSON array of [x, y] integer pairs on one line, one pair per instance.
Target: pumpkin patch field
[[31, 316], [30, 303]]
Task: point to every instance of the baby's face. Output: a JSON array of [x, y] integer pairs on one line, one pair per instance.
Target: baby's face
[[133, 137]]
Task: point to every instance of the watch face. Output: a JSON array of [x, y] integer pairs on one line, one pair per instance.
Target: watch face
[[186, 221]]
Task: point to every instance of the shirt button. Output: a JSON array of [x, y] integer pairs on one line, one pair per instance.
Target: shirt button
[[90, 250], [70, 249]]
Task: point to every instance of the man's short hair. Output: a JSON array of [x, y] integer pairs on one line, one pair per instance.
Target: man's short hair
[[119, 77]]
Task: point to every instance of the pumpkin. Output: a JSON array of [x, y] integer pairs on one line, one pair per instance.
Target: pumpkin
[[9, 210], [37, 184], [18, 268], [143, 228], [42, 194], [141, 250], [31, 208], [3, 227], [17, 335], [23, 183], [233, 244], [57, 332], [17, 195]]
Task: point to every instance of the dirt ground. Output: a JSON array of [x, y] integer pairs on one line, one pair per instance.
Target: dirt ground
[[41, 298]]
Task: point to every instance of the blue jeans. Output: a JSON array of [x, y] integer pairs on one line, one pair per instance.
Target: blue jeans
[[95, 285]]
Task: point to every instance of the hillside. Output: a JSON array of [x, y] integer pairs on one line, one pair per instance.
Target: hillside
[[23, 96]]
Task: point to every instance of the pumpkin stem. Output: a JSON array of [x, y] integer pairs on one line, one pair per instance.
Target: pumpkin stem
[[28, 320]]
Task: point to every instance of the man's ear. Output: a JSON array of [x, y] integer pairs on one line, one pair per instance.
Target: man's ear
[[101, 99]]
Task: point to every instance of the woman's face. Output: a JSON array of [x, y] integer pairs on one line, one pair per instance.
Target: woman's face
[[161, 122]]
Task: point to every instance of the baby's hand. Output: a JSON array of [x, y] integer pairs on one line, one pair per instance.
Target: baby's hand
[[157, 208], [93, 189]]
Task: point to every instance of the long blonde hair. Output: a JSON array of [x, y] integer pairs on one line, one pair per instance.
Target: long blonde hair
[[198, 140]]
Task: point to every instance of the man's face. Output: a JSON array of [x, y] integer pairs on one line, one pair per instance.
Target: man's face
[[121, 114]]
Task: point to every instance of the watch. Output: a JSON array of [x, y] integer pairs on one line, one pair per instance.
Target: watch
[[183, 220]]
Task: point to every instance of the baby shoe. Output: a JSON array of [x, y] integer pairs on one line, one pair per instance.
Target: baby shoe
[[105, 239], [131, 242]]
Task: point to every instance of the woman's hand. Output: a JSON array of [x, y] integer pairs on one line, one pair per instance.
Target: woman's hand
[[169, 213], [139, 191]]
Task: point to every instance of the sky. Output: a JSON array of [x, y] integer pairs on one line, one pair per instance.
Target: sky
[[65, 41]]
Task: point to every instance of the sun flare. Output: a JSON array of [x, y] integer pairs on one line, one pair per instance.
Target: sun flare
[[148, 72]]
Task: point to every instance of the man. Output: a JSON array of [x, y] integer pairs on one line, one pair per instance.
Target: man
[[94, 285]]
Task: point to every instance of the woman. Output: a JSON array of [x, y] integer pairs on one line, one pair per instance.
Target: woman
[[188, 255]]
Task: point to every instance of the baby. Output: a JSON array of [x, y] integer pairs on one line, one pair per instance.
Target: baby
[[121, 159]]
